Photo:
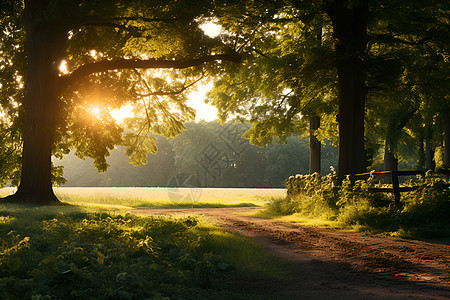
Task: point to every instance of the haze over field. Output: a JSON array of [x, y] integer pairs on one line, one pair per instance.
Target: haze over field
[[206, 155]]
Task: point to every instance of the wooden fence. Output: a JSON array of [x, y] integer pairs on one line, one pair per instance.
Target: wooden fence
[[396, 189]]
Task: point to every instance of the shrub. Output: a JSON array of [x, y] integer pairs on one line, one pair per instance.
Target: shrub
[[431, 198], [427, 209], [313, 186], [424, 214]]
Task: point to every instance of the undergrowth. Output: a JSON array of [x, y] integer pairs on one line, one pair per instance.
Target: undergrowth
[[424, 213], [70, 253]]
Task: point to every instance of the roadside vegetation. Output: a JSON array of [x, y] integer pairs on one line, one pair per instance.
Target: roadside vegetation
[[315, 200], [72, 252]]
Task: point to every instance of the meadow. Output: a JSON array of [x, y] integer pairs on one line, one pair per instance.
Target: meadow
[[162, 197]]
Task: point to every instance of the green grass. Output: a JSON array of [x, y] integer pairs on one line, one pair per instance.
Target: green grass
[[162, 197], [193, 205], [166, 197], [73, 252], [298, 218], [247, 257]]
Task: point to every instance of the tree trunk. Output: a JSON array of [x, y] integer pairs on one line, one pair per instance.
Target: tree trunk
[[314, 146], [421, 152], [447, 140], [429, 155], [350, 32], [390, 161], [393, 133], [40, 107], [429, 149]]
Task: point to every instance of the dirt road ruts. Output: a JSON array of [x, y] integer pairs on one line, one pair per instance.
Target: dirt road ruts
[[336, 264]]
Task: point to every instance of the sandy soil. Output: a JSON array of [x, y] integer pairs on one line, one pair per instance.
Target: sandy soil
[[336, 264]]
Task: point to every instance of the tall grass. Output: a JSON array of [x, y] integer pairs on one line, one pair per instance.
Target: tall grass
[[166, 197], [162, 197]]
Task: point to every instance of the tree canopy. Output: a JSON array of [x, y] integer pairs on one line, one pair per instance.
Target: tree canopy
[[374, 73], [381, 63], [63, 59]]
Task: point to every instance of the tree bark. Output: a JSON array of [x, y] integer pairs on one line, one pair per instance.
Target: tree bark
[[314, 146], [421, 153], [393, 135], [350, 32], [430, 164], [390, 161], [40, 106]]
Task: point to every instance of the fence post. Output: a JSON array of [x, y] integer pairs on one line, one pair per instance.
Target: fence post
[[395, 188]]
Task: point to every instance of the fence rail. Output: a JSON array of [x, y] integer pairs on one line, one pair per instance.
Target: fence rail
[[396, 189]]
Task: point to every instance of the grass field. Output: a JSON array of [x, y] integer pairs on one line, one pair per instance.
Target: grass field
[[163, 197], [90, 250]]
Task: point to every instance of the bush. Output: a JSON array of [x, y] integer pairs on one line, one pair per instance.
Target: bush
[[430, 199], [314, 186], [425, 210]]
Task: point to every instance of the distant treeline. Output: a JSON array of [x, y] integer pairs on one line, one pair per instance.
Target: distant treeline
[[205, 155]]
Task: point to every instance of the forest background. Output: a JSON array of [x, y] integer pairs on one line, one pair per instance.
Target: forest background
[[209, 154]]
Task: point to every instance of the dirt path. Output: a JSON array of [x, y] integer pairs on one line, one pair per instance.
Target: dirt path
[[336, 264]]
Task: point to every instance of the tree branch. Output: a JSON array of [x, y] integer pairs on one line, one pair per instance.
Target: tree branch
[[123, 27], [138, 18], [120, 22], [285, 19], [96, 20], [387, 38], [168, 93], [120, 64]]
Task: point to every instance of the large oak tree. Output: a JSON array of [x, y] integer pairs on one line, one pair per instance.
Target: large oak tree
[[77, 54]]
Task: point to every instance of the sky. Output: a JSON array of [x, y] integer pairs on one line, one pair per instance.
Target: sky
[[196, 98]]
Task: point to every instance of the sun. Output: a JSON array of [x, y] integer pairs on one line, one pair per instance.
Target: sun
[[119, 114], [122, 113], [96, 111]]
